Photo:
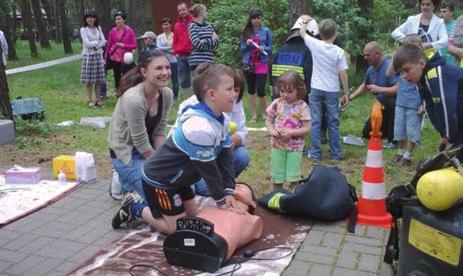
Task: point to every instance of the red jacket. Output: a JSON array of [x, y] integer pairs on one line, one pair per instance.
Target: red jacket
[[181, 43]]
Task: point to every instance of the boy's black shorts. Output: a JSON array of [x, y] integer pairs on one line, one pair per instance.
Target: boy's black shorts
[[166, 202]]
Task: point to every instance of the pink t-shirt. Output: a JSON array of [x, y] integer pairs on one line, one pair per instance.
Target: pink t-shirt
[[288, 116], [259, 67]]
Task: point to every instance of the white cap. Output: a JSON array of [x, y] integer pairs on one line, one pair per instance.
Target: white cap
[[128, 58], [312, 26], [149, 34]]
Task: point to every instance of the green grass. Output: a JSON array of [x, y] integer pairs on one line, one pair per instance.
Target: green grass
[[56, 51], [62, 94]]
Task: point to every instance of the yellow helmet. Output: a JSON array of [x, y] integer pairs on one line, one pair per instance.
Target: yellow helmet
[[440, 189]]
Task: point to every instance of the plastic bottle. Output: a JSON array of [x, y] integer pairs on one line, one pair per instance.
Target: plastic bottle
[[62, 177]]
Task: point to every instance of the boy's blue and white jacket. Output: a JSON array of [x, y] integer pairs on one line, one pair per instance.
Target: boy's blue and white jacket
[[200, 147], [441, 90]]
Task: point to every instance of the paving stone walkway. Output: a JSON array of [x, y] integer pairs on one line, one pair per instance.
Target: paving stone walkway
[[63, 235]]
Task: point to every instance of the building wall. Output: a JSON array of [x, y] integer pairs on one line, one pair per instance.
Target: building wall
[[163, 8]]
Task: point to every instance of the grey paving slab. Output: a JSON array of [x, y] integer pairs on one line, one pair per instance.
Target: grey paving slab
[[4, 265], [27, 264], [11, 256], [54, 240], [46, 267], [369, 263], [319, 269], [297, 267]]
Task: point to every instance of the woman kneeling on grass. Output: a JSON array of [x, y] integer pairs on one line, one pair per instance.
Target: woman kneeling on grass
[[139, 119], [200, 147]]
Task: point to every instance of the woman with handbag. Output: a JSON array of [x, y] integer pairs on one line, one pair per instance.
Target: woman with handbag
[[256, 45], [92, 72], [121, 40]]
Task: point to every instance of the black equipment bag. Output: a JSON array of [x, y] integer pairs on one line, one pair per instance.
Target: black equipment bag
[[324, 195], [406, 194]]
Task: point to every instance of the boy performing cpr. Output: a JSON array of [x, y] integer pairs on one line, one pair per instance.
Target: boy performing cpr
[[441, 89], [200, 147]]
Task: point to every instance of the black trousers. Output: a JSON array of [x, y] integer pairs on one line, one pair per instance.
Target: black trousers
[[387, 125]]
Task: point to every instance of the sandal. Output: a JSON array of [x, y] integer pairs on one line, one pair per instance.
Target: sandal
[[91, 105], [253, 118], [99, 103]]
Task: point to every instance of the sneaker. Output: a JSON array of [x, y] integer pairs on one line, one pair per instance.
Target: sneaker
[[313, 158], [389, 146], [123, 214], [115, 189], [404, 162], [397, 158], [253, 119]]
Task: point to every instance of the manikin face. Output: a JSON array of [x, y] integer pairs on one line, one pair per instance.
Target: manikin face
[[224, 95], [157, 73], [182, 11], [412, 72], [288, 93]]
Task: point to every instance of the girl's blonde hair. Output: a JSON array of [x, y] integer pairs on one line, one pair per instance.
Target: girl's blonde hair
[[292, 79], [196, 9]]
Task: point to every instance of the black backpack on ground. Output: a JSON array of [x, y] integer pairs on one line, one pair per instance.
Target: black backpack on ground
[[325, 195]]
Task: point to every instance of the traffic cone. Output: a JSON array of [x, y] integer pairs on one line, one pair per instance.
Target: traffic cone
[[372, 205]]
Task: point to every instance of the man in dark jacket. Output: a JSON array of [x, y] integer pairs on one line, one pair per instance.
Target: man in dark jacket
[[293, 55]]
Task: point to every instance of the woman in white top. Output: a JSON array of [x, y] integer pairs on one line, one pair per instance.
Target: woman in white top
[[427, 25], [92, 71], [164, 43]]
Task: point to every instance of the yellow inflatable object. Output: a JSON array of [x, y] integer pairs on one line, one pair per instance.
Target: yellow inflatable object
[[440, 189], [232, 127]]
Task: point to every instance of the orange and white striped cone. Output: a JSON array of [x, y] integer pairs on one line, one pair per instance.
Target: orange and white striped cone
[[371, 205]]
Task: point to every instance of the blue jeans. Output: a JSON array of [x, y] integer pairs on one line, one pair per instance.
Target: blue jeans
[[130, 175], [174, 77], [407, 124], [184, 71], [241, 156], [319, 99]]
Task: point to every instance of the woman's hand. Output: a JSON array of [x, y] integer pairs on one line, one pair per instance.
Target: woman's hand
[[249, 41], [120, 44]]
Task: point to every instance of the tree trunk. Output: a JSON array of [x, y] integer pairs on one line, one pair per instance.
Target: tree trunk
[[26, 16], [51, 19], [15, 22], [103, 10], [121, 5], [5, 25], [137, 16], [40, 24], [5, 105], [298, 8], [58, 31], [80, 11], [61, 8]]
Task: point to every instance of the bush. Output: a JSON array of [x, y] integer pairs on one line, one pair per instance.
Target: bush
[[229, 18]]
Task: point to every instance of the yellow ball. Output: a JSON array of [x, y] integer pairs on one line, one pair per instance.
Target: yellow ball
[[232, 127], [440, 189]]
